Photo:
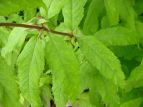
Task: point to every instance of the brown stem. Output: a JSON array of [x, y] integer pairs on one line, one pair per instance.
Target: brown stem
[[36, 27]]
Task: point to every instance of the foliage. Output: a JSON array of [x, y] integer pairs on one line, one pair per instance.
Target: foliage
[[63, 53]]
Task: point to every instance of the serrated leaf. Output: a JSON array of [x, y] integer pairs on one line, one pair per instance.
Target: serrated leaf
[[30, 66], [117, 36], [8, 82], [91, 23], [102, 58], [112, 12], [73, 13], [65, 71], [15, 40]]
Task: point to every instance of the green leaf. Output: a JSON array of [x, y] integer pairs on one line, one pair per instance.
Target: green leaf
[[65, 70], [46, 95], [2, 19], [133, 103], [54, 6], [99, 87], [91, 23], [135, 79], [8, 82], [15, 40], [132, 98], [127, 17], [117, 36], [10, 6], [112, 12], [3, 36], [107, 90], [84, 101], [131, 52], [88, 72], [1, 93], [96, 98], [29, 13], [73, 13], [105, 22], [139, 27], [30, 66], [102, 58], [139, 6]]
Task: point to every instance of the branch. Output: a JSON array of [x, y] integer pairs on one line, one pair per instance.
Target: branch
[[36, 27]]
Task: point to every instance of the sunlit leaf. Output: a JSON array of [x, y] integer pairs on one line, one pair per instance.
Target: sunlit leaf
[[30, 66], [65, 70]]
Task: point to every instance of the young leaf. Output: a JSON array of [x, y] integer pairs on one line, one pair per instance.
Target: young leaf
[[8, 82], [117, 36], [102, 58], [30, 66], [16, 39], [91, 23], [65, 71], [73, 12]]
